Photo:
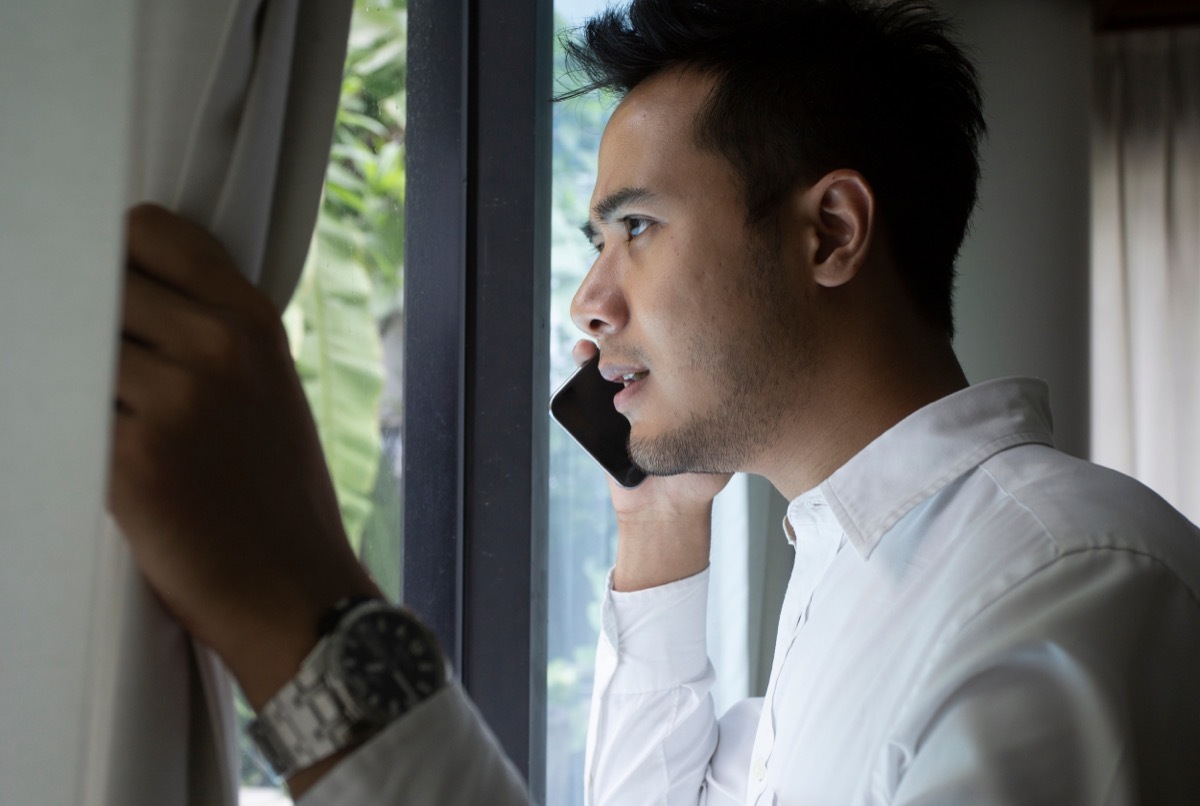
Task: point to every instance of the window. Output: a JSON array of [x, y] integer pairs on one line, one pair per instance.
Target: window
[[476, 291], [582, 527]]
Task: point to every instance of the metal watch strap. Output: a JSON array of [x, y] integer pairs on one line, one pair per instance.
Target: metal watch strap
[[303, 723]]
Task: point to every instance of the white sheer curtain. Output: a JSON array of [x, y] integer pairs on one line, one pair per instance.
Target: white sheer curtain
[[1146, 261], [222, 110]]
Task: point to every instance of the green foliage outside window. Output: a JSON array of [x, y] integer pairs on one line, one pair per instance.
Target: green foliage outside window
[[352, 287]]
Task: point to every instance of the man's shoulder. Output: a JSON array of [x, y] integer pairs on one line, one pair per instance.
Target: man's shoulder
[[1081, 507]]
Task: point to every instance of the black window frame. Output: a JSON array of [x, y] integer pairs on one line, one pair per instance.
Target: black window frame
[[476, 352]]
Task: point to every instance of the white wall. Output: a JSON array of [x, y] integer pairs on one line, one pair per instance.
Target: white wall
[[64, 74], [1022, 302]]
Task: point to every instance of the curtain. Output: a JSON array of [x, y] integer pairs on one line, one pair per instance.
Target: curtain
[[1146, 260], [63, 69], [233, 115], [223, 111]]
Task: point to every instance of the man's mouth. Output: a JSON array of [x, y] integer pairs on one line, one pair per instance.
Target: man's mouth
[[629, 376], [625, 374]]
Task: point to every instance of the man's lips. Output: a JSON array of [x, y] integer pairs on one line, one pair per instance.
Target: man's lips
[[624, 374], [630, 376]]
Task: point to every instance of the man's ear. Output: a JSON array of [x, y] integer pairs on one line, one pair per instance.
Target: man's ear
[[839, 211]]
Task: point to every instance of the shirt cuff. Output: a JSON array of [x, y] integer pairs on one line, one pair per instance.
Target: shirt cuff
[[656, 636], [440, 752]]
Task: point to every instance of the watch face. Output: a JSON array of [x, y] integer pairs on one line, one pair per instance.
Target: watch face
[[387, 662]]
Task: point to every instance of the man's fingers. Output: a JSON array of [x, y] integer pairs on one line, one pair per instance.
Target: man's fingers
[[159, 315], [143, 376], [583, 351], [181, 254], [185, 296]]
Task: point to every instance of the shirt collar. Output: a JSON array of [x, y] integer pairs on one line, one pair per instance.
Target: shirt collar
[[922, 453]]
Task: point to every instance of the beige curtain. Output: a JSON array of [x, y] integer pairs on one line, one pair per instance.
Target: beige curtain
[[222, 110], [1146, 261]]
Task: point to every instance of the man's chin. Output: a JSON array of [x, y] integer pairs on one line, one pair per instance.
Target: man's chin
[[674, 455]]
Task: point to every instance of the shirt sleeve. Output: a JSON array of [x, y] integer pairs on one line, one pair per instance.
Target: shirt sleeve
[[440, 752], [652, 731]]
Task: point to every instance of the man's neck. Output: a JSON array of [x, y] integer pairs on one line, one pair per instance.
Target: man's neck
[[866, 392]]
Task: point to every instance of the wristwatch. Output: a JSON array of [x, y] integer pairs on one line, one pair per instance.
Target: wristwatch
[[373, 663]]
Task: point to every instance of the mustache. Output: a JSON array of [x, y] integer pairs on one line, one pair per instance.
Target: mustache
[[624, 355]]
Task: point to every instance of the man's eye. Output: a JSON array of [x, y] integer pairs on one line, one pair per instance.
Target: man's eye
[[635, 226]]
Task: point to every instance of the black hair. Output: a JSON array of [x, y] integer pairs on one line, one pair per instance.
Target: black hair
[[804, 87]]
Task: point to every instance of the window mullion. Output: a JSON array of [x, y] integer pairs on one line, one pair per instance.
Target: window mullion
[[477, 281]]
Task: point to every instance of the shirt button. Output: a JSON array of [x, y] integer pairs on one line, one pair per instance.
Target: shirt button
[[760, 770]]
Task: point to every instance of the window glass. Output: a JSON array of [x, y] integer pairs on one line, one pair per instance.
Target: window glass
[[582, 527], [345, 322]]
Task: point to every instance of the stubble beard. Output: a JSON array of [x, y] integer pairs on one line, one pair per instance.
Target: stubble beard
[[759, 369]]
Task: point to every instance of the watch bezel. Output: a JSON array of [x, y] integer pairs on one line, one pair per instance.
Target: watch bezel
[[414, 654]]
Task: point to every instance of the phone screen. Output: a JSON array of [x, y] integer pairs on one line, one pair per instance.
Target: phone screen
[[584, 407]]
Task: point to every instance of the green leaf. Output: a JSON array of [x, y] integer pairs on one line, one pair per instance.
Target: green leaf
[[339, 363], [361, 121]]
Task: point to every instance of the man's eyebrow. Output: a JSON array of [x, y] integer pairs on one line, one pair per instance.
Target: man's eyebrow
[[604, 209]]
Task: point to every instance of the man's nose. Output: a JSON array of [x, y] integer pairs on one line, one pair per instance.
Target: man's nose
[[599, 308]]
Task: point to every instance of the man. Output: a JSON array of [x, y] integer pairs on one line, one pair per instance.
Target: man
[[972, 618]]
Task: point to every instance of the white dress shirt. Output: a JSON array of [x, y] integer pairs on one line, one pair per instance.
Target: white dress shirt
[[972, 618]]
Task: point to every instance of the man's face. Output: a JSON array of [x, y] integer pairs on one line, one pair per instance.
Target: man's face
[[698, 313]]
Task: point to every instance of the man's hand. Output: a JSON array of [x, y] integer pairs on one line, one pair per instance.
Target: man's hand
[[664, 525], [218, 479]]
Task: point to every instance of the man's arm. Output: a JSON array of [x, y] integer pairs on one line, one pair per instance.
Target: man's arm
[[652, 731], [664, 526], [218, 480]]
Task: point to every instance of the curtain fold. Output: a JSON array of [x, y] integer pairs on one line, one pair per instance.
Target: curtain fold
[[1146, 260], [231, 127]]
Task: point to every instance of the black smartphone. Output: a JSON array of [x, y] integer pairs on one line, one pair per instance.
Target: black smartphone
[[583, 406]]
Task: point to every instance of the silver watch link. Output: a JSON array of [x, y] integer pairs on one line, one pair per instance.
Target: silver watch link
[[375, 664]]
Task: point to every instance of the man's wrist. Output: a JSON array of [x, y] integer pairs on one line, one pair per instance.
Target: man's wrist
[[654, 550], [372, 664], [269, 652], [297, 639], [658, 633]]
